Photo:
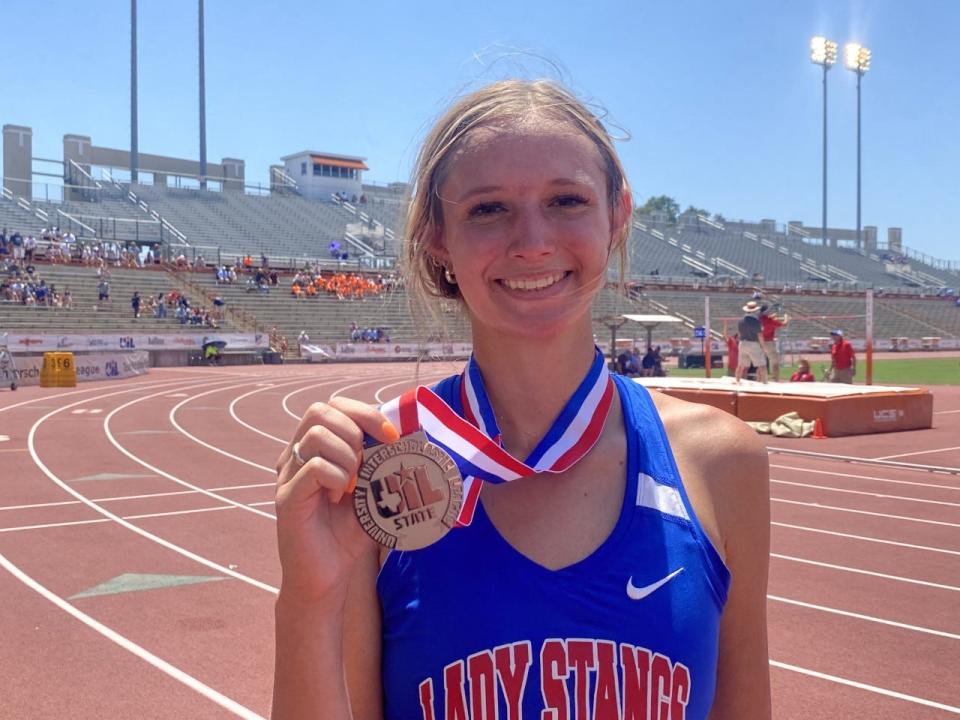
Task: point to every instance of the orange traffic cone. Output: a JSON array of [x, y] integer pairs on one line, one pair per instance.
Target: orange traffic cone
[[818, 430]]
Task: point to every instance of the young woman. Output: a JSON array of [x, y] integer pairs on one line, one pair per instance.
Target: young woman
[[630, 583]]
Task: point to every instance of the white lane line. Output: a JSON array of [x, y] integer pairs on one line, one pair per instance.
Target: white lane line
[[818, 506], [172, 416], [866, 538], [116, 518], [864, 492], [946, 412], [919, 452], [871, 573], [173, 478], [176, 673], [130, 384], [864, 686], [286, 398], [96, 521], [863, 477], [142, 496], [868, 618], [378, 395], [233, 404]]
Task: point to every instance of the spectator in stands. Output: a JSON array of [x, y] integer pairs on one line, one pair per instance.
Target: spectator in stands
[[161, 307], [103, 292], [29, 247], [751, 350], [334, 248], [135, 304], [66, 300], [803, 373], [302, 339], [733, 353], [16, 242], [770, 323], [843, 359]]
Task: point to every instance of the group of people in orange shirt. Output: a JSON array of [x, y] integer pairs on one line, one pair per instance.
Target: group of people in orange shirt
[[346, 286]]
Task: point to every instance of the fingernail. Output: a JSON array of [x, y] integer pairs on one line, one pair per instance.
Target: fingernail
[[352, 485], [390, 432]]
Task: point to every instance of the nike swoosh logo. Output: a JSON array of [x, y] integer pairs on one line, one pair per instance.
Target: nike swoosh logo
[[635, 593]]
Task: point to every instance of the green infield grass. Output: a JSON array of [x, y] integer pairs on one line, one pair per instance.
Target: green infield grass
[[923, 371]]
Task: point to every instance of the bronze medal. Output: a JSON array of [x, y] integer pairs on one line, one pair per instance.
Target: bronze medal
[[408, 493]]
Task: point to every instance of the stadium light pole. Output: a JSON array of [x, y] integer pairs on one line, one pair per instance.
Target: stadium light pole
[[857, 59], [823, 52], [203, 108], [134, 152]]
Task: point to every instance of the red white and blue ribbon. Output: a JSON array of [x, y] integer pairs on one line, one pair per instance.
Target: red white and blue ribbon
[[474, 441]]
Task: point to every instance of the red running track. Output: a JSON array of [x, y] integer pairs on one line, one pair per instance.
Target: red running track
[[169, 479]]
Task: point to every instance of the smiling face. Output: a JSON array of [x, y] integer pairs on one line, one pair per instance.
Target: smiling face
[[527, 228]]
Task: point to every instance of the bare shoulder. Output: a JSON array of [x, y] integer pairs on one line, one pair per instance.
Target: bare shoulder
[[723, 464]]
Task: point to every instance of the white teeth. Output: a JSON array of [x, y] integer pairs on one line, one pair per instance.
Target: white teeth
[[537, 284]]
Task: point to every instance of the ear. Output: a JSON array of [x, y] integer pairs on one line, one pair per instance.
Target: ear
[[436, 249], [620, 217]]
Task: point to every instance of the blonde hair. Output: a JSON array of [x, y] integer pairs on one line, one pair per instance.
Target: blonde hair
[[504, 102]]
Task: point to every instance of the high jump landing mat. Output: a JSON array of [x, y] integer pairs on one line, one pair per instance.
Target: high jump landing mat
[[842, 409]]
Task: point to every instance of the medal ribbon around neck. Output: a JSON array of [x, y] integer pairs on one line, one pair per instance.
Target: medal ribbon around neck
[[474, 442]]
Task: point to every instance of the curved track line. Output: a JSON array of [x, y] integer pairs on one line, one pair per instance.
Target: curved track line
[[168, 476], [233, 404], [132, 386], [176, 673], [288, 411], [119, 520], [864, 686], [172, 416]]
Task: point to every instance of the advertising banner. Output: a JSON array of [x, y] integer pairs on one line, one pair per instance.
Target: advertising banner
[[94, 366], [38, 342]]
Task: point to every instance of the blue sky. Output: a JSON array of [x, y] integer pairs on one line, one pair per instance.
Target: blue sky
[[721, 103]]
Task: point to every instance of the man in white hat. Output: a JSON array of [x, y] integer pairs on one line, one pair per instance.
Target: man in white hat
[[751, 343]]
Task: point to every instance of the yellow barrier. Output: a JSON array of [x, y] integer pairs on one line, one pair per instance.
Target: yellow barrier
[[58, 370], [66, 370], [47, 376]]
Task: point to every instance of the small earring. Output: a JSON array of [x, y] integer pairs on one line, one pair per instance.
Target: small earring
[[449, 276]]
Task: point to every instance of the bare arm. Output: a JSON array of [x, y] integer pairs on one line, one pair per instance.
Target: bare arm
[[329, 564], [725, 470], [743, 510]]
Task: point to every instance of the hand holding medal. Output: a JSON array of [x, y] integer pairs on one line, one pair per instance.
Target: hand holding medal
[[317, 532]]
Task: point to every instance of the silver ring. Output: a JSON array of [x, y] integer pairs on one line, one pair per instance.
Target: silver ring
[[296, 454]]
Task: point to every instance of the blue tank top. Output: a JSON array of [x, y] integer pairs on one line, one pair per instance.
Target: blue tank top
[[474, 630]]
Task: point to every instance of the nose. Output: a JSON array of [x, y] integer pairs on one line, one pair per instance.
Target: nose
[[532, 237]]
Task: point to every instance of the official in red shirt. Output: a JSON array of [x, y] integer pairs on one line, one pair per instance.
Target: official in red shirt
[[803, 373], [733, 353], [843, 361], [769, 324]]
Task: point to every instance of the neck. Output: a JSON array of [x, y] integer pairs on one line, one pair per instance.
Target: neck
[[529, 384]]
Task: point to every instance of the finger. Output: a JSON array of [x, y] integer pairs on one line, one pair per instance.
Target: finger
[[315, 476], [368, 418], [322, 441]]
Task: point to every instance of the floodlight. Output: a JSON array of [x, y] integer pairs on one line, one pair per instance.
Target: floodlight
[[856, 57], [823, 51]]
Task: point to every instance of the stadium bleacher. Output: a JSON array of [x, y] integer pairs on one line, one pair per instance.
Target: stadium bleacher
[[677, 264]]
